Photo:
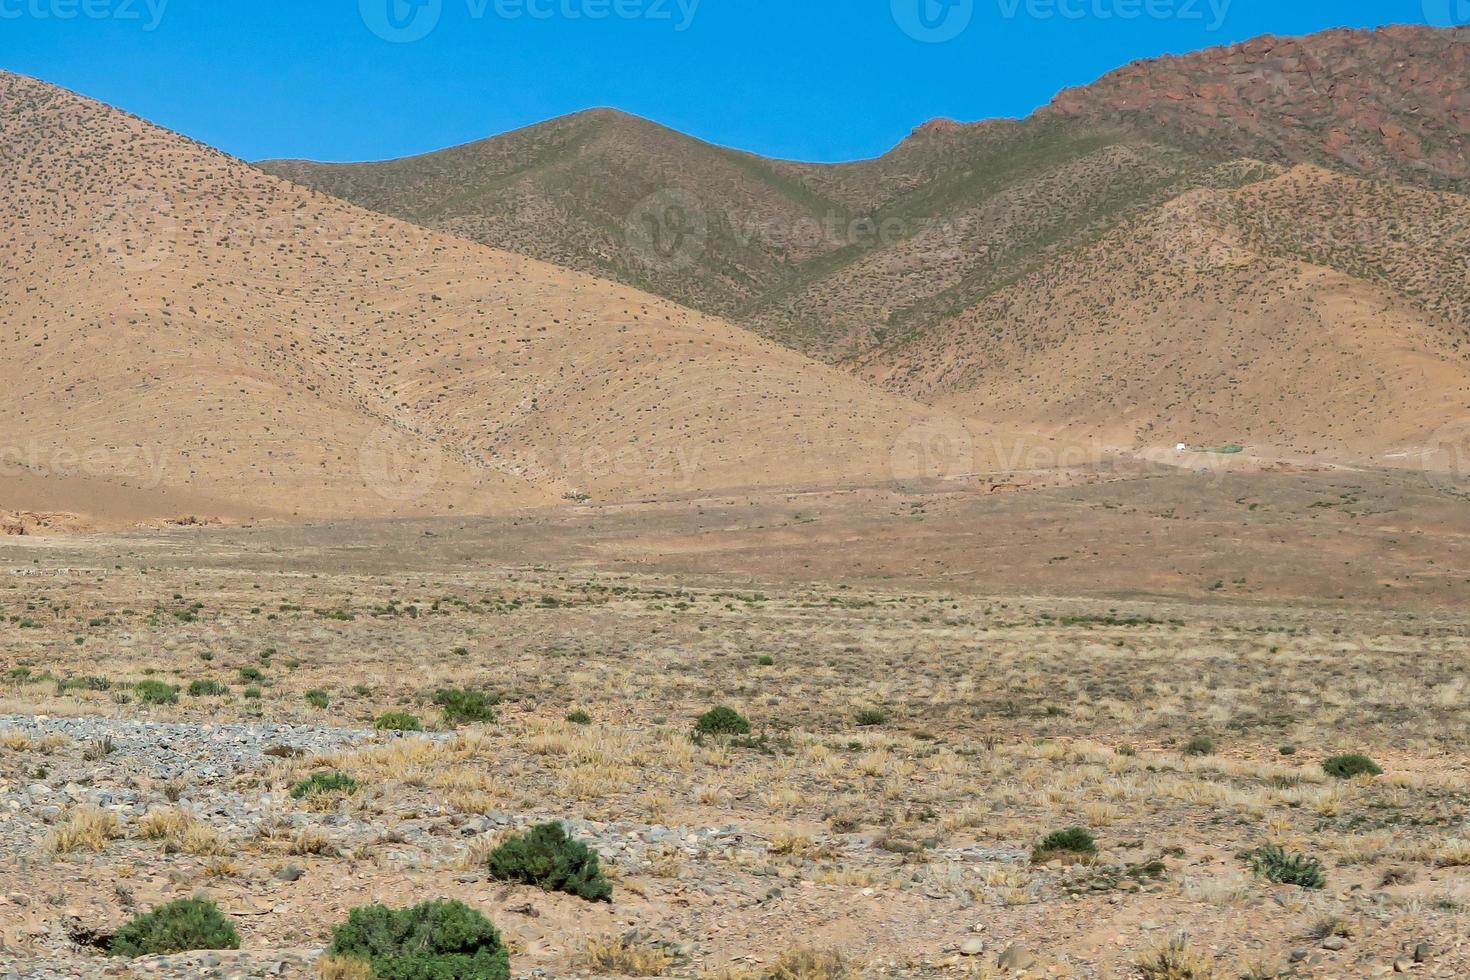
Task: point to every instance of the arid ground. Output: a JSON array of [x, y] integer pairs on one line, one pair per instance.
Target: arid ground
[[937, 678]]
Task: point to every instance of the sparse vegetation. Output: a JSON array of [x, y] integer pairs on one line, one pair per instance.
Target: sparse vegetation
[[1350, 766], [722, 720], [545, 856], [180, 926], [1275, 864], [439, 939], [398, 721]]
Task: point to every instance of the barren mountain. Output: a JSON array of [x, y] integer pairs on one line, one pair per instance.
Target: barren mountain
[[187, 335], [1263, 242], [834, 259]]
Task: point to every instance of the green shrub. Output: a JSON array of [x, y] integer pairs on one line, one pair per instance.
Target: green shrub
[[324, 782], [318, 698], [722, 721], [1348, 766], [251, 693], [1274, 864], [579, 717], [206, 689], [443, 940], [871, 717], [398, 721], [1074, 840], [178, 927], [156, 692], [251, 674], [462, 707], [1200, 745], [83, 684], [546, 857], [766, 660]]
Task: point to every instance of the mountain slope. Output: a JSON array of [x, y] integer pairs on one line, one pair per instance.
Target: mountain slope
[[1212, 320], [176, 321], [835, 260]]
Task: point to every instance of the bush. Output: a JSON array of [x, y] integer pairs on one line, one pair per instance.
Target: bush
[[546, 857], [206, 689], [443, 940], [1274, 864], [1200, 745], [1074, 840], [722, 721], [156, 692], [579, 718], [466, 706], [318, 698], [398, 721], [324, 782], [251, 674], [83, 684], [1348, 766], [871, 717], [178, 927], [251, 693]]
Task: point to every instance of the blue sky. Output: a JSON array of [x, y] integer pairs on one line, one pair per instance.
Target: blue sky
[[804, 79]]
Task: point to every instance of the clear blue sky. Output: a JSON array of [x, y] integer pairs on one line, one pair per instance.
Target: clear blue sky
[[805, 79]]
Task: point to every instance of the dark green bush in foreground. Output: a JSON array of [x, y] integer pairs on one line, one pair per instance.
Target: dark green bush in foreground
[[1074, 840], [156, 692], [1348, 766], [1274, 864], [462, 707], [722, 721], [546, 857], [398, 721], [178, 927], [443, 940], [324, 782]]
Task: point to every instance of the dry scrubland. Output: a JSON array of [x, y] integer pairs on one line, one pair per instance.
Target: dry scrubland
[[910, 748]]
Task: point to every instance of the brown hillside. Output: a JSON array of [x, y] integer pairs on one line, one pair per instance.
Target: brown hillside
[[1208, 321], [175, 320]]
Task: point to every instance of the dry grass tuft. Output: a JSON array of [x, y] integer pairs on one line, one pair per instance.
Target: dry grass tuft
[[624, 957], [86, 828]]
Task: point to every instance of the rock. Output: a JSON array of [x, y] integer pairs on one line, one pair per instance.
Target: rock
[[1402, 965], [1015, 959], [973, 947], [289, 873], [1422, 952], [1334, 943], [1297, 955]]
